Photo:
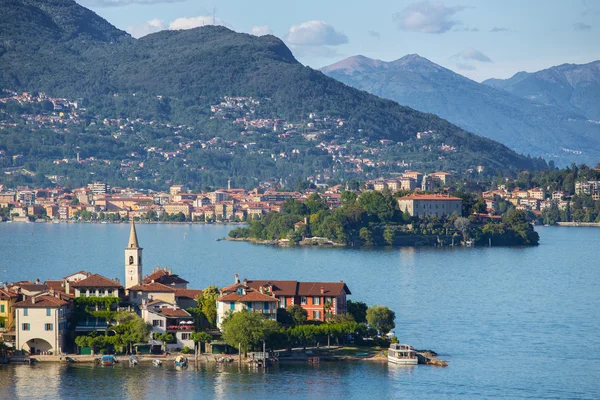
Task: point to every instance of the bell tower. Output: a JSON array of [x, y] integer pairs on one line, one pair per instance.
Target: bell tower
[[133, 260]]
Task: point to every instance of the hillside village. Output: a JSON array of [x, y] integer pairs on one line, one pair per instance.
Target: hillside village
[[143, 150]]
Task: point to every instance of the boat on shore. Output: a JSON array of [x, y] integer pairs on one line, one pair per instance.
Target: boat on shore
[[402, 354]]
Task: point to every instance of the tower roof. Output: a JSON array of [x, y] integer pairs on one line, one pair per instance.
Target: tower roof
[[133, 241]]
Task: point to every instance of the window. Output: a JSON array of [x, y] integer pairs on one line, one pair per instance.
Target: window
[[185, 336], [250, 304], [25, 327], [48, 327], [48, 312], [25, 311], [2, 308], [316, 301], [232, 306], [2, 323], [303, 300], [135, 295], [156, 322], [282, 303], [316, 314]]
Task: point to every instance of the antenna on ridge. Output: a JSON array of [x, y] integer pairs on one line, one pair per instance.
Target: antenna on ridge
[[214, 19]]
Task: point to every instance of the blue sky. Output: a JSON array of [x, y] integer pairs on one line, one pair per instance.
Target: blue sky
[[478, 39]]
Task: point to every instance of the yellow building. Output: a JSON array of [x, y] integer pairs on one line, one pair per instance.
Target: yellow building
[[7, 315]]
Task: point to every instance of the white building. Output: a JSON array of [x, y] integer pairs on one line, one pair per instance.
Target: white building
[[168, 318], [419, 205], [42, 323]]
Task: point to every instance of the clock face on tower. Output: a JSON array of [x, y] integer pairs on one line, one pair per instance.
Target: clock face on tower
[[130, 271]]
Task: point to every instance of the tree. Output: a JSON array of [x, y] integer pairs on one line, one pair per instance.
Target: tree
[[366, 235], [381, 318], [462, 224], [243, 330], [316, 203], [199, 337], [358, 310], [389, 235], [207, 303], [299, 315], [164, 338]]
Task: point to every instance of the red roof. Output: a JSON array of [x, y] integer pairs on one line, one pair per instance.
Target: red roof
[[164, 277], [439, 197], [188, 293], [6, 294], [45, 301], [152, 287], [96, 280], [295, 288], [173, 312], [249, 296]]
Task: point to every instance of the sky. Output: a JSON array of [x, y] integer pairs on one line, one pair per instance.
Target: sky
[[479, 39]]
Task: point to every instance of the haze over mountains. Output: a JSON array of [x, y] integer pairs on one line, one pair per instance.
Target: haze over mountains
[[556, 126], [59, 47]]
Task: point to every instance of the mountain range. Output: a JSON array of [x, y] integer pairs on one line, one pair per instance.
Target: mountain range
[[64, 49], [571, 87], [556, 126]]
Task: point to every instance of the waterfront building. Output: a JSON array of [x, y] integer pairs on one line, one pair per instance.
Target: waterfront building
[[42, 323], [420, 205], [317, 298], [149, 292], [8, 299], [166, 317]]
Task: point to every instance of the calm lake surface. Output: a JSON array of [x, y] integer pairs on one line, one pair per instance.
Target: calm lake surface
[[512, 322]]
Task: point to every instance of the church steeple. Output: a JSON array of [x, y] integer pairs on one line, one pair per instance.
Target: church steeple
[[133, 259], [133, 241]]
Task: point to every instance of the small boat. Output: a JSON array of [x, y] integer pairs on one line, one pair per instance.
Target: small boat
[[133, 360], [402, 354], [181, 361], [108, 361], [157, 363]]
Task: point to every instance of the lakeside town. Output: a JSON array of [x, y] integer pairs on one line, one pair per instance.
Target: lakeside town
[[83, 315]]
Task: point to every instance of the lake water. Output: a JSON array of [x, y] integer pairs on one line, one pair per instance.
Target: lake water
[[512, 322]]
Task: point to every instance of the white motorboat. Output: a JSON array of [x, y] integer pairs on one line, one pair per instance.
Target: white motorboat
[[402, 354]]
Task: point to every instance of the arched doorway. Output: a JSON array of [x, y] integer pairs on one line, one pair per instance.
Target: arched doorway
[[38, 346]]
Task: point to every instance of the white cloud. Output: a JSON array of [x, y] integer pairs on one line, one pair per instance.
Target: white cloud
[[471, 55], [315, 33], [581, 26], [499, 29], [427, 17], [120, 3], [194, 22], [148, 27], [261, 30]]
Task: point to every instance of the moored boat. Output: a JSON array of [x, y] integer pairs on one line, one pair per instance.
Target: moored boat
[[108, 361], [402, 354], [181, 361]]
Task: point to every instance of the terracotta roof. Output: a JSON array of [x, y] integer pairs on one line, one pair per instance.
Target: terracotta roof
[[280, 288], [164, 277], [294, 288], [329, 288], [6, 294], [42, 302], [233, 287], [416, 196], [152, 287], [57, 285], [96, 280], [33, 287], [188, 293], [173, 312], [249, 296]]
